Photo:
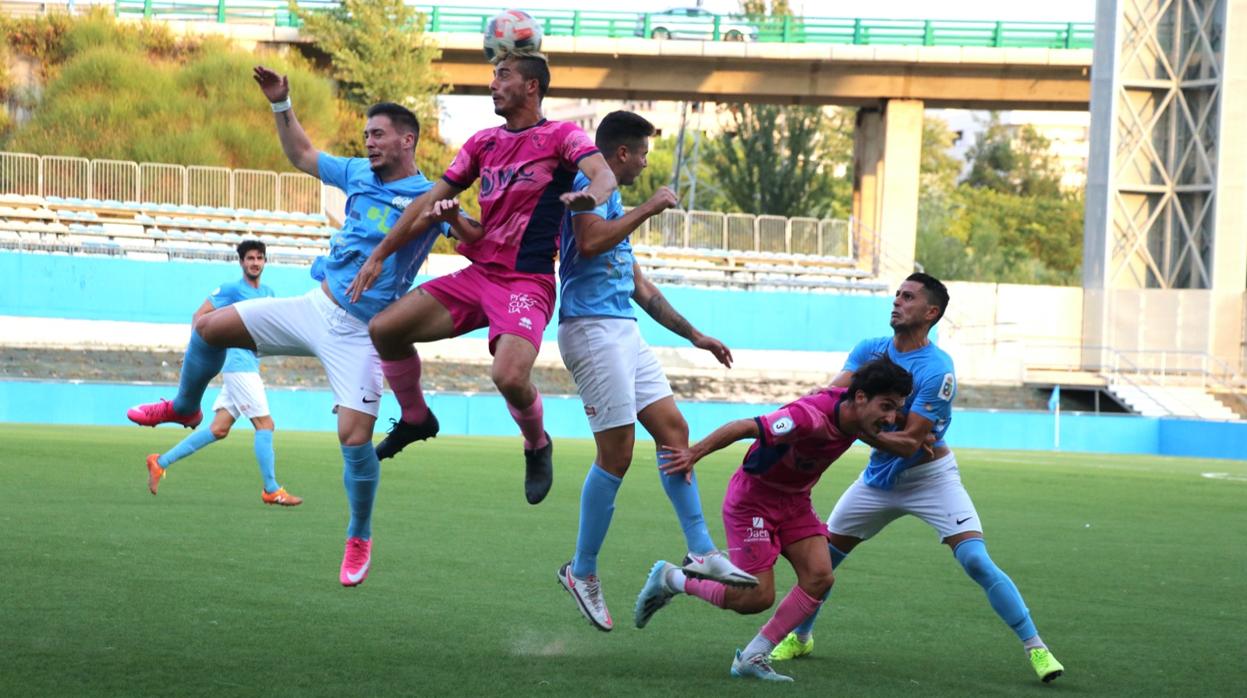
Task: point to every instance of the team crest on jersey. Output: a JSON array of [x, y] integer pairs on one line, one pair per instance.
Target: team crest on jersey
[[781, 426], [590, 410], [948, 387]]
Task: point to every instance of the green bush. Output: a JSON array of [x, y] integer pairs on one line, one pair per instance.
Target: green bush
[[109, 101]]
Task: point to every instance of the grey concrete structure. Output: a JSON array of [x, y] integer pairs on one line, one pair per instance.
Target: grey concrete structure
[[1165, 255], [887, 153]]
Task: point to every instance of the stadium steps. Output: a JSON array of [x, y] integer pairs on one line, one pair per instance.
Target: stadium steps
[[154, 230], [753, 270], [144, 230], [1143, 396]]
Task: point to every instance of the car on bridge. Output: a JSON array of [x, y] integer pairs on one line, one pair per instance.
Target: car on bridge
[[695, 23]]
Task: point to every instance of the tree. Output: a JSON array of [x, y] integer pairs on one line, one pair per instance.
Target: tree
[[379, 54], [117, 91], [939, 254], [1015, 162], [758, 8], [1007, 221], [784, 160], [1019, 239]]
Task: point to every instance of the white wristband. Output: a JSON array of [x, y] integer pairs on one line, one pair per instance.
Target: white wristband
[[281, 106]]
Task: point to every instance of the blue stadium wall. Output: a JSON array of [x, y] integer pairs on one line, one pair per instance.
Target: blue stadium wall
[[38, 402], [98, 288], [105, 288]]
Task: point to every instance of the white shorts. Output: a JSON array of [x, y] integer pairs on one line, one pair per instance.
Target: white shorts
[[242, 396], [313, 325], [932, 492], [616, 374]]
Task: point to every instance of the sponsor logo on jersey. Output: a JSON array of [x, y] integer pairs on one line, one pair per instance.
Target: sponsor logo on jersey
[[758, 531], [520, 302]]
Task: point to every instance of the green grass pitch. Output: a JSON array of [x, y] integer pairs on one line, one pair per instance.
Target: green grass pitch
[[1133, 568]]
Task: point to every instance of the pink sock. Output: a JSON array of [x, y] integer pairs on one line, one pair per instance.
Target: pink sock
[[796, 607], [530, 421], [712, 592], [404, 378]]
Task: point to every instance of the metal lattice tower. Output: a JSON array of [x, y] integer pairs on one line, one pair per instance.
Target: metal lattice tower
[[1165, 230], [1162, 197]]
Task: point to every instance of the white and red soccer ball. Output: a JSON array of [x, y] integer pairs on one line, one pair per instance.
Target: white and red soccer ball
[[512, 32]]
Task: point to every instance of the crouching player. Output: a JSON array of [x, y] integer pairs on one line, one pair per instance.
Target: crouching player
[[767, 510]]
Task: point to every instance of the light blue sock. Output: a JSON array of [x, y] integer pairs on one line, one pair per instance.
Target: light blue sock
[[597, 505], [804, 630], [197, 440], [361, 474], [686, 500], [200, 365], [267, 460], [1002, 593]]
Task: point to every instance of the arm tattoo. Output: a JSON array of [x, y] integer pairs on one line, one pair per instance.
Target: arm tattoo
[[659, 309], [286, 115]]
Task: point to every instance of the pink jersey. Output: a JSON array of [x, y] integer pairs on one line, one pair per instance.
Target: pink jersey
[[522, 175], [799, 441]]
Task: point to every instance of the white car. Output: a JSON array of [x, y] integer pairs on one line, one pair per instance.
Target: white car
[[695, 23]]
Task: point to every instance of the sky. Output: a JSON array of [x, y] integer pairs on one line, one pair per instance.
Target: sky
[[464, 115]]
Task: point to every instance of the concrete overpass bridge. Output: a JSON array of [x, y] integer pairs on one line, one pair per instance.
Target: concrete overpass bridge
[[890, 85], [969, 77]]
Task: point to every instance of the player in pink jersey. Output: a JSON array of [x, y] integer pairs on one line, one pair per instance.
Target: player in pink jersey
[[526, 169], [767, 510]]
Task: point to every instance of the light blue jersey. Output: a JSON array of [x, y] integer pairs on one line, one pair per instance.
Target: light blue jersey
[[935, 387], [372, 208], [239, 360], [600, 286]]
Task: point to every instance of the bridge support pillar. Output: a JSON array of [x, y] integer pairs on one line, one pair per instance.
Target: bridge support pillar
[[887, 151]]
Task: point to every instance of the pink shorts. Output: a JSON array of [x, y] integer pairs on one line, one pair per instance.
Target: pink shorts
[[508, 302], [759, 522]]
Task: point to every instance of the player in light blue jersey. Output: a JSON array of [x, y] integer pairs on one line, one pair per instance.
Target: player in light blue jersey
[[324, 322], [922, 481], [243, 391], [616, 374]]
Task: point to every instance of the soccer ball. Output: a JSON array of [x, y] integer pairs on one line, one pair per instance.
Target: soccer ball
[[512, 32]]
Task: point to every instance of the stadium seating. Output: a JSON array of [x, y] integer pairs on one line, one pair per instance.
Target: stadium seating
[[717, 267], [72, 205], [150, 230], [168, 231]]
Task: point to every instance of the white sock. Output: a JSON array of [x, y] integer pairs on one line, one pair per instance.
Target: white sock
[[675, 580], [758, 645], [1033, 643], [804, 637]]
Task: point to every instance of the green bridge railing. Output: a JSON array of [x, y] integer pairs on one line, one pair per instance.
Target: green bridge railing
[[614, 24]]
